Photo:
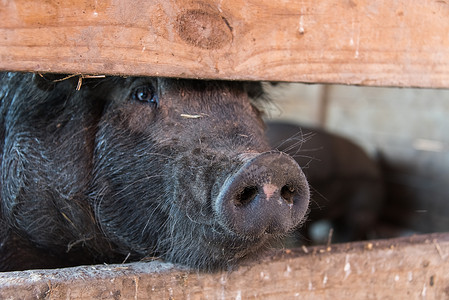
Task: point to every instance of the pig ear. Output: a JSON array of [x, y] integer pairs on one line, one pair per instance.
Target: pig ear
[[254, 89], [257, 90]]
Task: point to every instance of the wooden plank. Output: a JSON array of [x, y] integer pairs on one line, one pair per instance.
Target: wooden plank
[[400, 43], [405, 268]]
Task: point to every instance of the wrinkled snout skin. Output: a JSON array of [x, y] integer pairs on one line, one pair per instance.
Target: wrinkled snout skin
[[137, 168]]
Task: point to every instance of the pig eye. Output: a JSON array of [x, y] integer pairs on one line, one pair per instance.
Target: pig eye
[[145, 94]]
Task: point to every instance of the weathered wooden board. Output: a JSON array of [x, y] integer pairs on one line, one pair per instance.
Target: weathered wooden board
[[400, 43], [406, 268]]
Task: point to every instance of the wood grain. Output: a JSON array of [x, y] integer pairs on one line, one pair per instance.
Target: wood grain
[[406, 268], [388, 43]]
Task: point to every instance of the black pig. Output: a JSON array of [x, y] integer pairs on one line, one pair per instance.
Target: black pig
[[129, 168]]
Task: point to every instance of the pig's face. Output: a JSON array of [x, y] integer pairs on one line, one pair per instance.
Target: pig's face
[[164, 150], [175, 168]]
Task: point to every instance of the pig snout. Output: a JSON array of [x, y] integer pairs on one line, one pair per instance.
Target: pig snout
[[269, 194]]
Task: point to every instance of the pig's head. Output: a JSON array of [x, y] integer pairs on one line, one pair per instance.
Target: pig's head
[[161, 167], [182, 169]]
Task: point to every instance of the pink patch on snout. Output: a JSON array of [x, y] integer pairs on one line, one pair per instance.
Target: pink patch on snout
[[269, 189]]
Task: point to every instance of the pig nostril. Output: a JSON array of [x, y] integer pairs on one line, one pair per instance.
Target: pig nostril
[[246, 196], [287, 193]]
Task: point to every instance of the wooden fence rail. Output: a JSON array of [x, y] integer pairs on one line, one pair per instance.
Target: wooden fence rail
[[399, 43], [404, 268]]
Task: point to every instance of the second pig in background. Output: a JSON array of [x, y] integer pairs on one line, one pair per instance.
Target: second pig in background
[[347, 191]]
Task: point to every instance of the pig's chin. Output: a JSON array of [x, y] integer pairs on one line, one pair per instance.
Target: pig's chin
[[212, 248]]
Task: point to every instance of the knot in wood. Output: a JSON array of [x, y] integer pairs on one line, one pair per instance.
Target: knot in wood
[[204, 29]]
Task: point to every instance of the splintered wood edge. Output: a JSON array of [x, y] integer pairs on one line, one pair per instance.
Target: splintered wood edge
[[414, 267], [383, 43]]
